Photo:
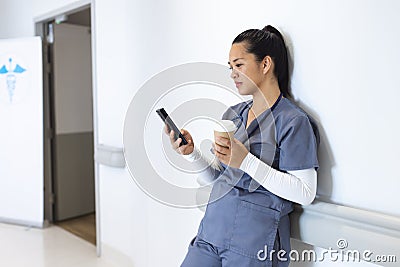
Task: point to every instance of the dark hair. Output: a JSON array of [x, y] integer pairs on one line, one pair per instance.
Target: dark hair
[[268, 42]]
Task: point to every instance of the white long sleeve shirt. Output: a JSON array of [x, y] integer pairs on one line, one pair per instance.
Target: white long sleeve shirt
[[298, 186]]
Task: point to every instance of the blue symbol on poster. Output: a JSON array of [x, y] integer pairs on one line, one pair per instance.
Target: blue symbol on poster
[[11, 77]]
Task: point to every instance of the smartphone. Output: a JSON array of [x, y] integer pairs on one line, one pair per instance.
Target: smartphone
[[171, 125]]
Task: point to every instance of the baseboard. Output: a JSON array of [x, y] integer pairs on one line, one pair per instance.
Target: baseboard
[[23, 222], [323, 224]]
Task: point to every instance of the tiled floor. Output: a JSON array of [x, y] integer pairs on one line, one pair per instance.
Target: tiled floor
[[49, 247]]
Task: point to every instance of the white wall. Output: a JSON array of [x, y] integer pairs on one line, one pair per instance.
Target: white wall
[[16, 18], [344, 54], [341, 56], [345, 58]]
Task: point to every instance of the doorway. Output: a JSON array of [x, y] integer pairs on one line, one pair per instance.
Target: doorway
[[69, 191]]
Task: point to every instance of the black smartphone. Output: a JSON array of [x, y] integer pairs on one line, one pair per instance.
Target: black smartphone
[[171, 125]]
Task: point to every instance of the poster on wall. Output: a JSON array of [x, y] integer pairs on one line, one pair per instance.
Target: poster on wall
[[21, 130], [11, 71]]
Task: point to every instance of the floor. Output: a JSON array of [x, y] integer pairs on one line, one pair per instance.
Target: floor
[[49, 247], [83, 226]]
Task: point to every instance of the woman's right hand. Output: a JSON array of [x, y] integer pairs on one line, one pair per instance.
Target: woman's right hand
[[184, 149]]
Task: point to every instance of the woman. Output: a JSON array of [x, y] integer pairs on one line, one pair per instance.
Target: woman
[[270, 164]]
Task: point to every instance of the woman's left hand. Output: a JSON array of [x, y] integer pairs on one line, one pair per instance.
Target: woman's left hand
[[231, 153]]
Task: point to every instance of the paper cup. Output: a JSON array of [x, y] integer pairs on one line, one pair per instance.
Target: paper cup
[[225, 128]]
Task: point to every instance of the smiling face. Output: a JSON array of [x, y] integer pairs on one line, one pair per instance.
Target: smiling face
[[247, 73]]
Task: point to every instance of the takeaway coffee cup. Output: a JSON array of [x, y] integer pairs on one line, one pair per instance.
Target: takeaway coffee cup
[[224, 128]]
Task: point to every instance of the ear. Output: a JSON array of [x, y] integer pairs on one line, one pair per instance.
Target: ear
[[266, 64]]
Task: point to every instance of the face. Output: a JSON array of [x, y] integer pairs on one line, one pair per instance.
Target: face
[[247, 73]]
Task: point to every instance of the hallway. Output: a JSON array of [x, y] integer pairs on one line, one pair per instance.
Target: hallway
[[49, 247]]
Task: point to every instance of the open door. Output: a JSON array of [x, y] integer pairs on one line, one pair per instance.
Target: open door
[[73, 152], [69, 166]]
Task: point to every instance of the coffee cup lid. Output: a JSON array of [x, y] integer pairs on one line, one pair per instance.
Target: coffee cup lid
[[225, 126]]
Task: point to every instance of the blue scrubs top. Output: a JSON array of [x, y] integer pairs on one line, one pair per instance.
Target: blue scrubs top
[[242, 215]]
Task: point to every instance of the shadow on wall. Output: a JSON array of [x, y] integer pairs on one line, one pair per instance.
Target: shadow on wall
[[325, 155], [325, 158]]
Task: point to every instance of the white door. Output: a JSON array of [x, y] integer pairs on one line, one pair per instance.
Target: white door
[[21, 131], [73, 156]]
